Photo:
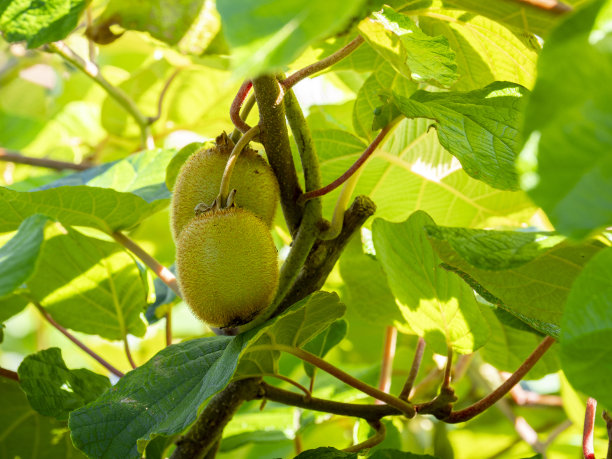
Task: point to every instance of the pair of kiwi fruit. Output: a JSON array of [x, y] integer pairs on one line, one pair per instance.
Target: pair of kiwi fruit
[[226, 260]]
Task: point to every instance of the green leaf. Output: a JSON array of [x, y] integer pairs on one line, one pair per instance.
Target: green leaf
[[321, 344], [165, 20], [25, 433], [586, 328], [411, 52], [535, 289], [266, 35], [164, 296], [54, 390], [436, 303], [298, 327], [567, 158], [19, 255], [90, 285], [325, 453], [11, 305], [162, 397], [383, 78], [101, 208], [366, 288], [508, 347], [494, 250], [38, 23], [480, 128], [412, 171], [396, 454], [484, 51]]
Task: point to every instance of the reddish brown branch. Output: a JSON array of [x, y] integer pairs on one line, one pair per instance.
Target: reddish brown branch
[[414, 369], [384, 383], [14, 157], [322, 64], [589, 425], [552, 6], [486, 402], [9, 374], [351, 170], [240, 124]]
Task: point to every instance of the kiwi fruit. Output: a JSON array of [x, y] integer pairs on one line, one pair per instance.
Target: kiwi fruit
[[227, 266], [199, 180]]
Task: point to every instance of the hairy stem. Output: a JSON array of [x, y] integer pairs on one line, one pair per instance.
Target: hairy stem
[[161, 271], [589, 426], [354, 168], [231, 162], [92, 71], [504, 388], [208, 429], [405, 407], [414, 369], [323, 63], [14, 157], [78, 342], [381, 433], [275, 139]]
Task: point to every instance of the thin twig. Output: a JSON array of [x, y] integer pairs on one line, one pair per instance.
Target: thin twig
[[128, 353], [486, 402], [162, 95], [14, 157], [238, 121], [323, 63], [90, 42], [589, 425], [351, 170], [78, 342], [9, 374], [414, 369], [169, 327], [92, 71], [526, 397], [381, 433], [402, 405], [384, 383], [161, 271], [556, 432], [244, 114], [307, 393]]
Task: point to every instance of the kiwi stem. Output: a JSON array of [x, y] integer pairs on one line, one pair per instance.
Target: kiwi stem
[[354, 168], [231, 162], [447, 369], [92, 71], [414, 369], [381, 433], [238, 121], [15, 157], [341, 204], [323, 63], [318, 362], [9, 374], [244, 114], [76, 341], [307, 393]]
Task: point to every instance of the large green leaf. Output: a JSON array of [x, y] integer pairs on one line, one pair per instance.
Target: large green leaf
[[90, 285], [101, 208], [480, 127], [567, 159], [411, 52], [54, 390], [266, 35], [412, 171], [162, 397], [38, 23], [534, 281], [436, 303], [19, 255], [586, 329], [25, 433], [484, 50]]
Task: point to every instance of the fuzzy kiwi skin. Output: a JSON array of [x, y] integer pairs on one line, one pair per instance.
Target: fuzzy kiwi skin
[[199, 180], [227, 266]]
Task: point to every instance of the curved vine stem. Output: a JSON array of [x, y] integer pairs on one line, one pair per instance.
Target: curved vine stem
[[307, 392], [381, 433], [401, 405], [414, 369], [224, 189], [323, 63], [238, 121], [354, 168], [480, 406], [244, 114]]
